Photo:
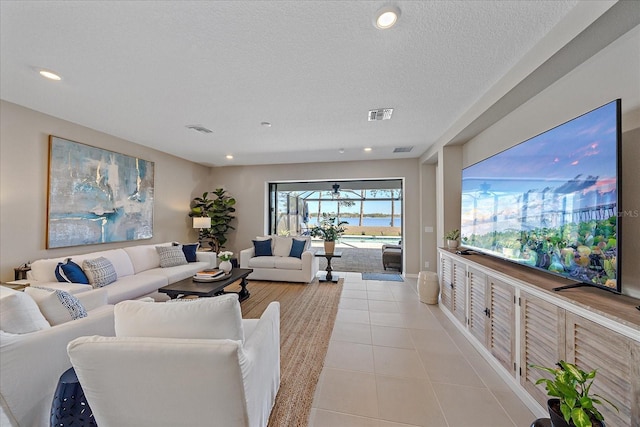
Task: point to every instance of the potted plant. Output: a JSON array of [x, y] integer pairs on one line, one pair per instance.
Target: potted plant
[[220, 210], [572, 404], [452, 237], [329, 231], [225, 265]]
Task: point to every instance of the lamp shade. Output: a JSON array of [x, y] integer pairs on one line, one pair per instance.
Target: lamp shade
[[201, 222]]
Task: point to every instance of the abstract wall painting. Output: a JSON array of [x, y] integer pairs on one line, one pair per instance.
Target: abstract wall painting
[[97, 196]]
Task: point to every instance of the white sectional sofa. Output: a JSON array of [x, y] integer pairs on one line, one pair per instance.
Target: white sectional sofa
[[137, 267], [33, 358], [279, 266]]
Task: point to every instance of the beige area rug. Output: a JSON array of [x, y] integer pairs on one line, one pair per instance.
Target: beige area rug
[[307, 315]]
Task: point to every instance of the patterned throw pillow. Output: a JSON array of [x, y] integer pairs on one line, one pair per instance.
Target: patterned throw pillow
[[56, 305], [99, 271], [171, 256], [189, 250]]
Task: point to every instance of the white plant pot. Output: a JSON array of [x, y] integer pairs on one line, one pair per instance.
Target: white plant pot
[[452, 244], [225, 266]]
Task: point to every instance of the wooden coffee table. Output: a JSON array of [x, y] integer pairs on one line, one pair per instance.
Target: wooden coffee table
[[209, 289]]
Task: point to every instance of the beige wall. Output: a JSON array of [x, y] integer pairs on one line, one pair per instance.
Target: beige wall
[[248, 184], [610, 74], [428, 218], [23, 186]]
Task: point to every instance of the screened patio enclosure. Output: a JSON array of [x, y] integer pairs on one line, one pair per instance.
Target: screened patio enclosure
[[294, 207], [373, 210]]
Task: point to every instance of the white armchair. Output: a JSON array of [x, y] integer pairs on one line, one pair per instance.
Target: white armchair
[[167, 381]]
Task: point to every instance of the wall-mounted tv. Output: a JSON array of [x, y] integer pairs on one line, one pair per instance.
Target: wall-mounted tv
[[552, 201]]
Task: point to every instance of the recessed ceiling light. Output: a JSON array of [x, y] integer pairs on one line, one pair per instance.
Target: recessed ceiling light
[[367, 149], [341, 151], [50, 75], [229, 156], [386, 17], [266, 124]]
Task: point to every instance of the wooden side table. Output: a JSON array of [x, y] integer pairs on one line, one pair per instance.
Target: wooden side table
[[17, 285], [329, 277]]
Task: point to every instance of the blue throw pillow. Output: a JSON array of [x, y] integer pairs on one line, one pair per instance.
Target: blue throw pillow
[[190, 252], [262, 247], [297, 247], [71, 273]]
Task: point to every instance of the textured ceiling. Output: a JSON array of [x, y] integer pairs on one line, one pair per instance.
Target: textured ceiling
[[143, 70]]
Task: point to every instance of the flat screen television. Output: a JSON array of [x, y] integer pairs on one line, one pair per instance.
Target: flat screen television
[[552, 201]]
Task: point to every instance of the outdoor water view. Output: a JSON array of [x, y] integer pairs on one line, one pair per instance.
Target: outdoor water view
[[371, 209], [369, 212]]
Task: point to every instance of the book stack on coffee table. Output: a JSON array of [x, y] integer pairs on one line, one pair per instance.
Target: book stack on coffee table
[[210, 275]]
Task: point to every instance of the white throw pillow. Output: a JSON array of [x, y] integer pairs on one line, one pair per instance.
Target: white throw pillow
[[99, 271], [206, 318], [19, 313], [282, 246], [57, 306], [171, 256]]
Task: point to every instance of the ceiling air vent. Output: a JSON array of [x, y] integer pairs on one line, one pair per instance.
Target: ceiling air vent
[[199, 128], [380, 114], [402, 149]]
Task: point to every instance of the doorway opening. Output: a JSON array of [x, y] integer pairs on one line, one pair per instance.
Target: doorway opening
[[373, 210]]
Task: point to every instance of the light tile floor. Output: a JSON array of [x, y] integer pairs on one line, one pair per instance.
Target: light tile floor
[[394, 361]]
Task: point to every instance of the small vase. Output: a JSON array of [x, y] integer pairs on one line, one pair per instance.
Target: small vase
[[329, 247], [225, 266], [452, 244]]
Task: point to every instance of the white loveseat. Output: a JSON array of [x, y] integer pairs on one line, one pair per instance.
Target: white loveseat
[[137, 267], [191, 363], [31, 363], [279, 266]]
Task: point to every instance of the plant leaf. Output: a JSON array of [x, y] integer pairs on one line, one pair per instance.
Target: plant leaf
[[574, 371], [580, 418]]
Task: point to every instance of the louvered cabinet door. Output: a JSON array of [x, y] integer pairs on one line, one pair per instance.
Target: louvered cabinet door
[[478, 305], [460, 291], [501, 306], [542, 337], [617, 359], [446, 280]]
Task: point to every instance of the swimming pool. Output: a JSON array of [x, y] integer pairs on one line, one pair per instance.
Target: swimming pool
[[393, 240]]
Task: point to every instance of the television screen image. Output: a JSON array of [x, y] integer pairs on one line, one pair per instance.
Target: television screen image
[[551, 202]]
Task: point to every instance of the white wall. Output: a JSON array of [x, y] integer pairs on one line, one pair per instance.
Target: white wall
[[248, 184], [612, 73], [23, 186]]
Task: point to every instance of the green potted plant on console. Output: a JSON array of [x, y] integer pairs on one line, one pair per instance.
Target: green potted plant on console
[[329, 231], [452, 237], [571, 403]]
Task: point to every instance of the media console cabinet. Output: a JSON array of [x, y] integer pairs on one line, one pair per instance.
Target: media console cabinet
[[512, 315]]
